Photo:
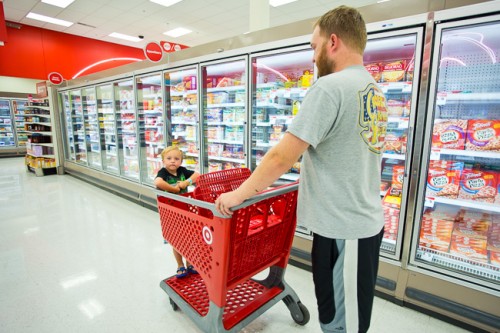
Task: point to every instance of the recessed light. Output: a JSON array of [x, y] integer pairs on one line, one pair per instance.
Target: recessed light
[[177, 32], [58, 3], [48, 19], [166, 3], [125, 37], [276, 3]]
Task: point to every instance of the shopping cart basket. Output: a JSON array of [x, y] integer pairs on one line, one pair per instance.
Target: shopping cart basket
[[229, 251]]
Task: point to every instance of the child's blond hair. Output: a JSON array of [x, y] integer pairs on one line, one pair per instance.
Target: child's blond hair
[[169, 149]]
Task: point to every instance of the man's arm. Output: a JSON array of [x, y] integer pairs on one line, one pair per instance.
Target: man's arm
[[276, 162]]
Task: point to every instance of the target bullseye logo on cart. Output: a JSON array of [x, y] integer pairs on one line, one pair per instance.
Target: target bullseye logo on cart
[[207, 235]]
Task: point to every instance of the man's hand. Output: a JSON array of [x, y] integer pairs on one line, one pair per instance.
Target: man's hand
[[226, 201]]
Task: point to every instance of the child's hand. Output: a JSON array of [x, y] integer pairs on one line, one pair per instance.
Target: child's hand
[[183, 184]]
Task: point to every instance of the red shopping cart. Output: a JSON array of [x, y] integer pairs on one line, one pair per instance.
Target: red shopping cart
[[229, 251]]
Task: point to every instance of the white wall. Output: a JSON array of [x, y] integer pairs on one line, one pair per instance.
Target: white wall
[[18, 85]]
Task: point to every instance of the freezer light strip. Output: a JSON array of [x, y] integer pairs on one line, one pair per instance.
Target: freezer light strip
[[102, 62]]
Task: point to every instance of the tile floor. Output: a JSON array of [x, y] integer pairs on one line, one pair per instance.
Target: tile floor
[[75, 258]]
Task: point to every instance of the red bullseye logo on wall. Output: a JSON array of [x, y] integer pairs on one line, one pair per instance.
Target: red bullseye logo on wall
[[207, 235], [55, 78], [153, 52]]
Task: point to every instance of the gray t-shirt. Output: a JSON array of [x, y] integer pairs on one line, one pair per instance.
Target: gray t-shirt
[[344, 119]]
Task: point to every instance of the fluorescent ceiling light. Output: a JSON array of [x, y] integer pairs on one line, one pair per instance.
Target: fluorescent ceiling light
[[59, 3], [166, 3], [126, 37], [276, 3], [380, 1], [48, 19], [177, 32]]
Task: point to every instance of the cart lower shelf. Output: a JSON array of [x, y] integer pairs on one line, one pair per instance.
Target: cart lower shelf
[[244, 303]]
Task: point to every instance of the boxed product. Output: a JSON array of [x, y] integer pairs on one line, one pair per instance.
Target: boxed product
[[395, 142], [436, 234], [443, 182], [392, 198], [393, 71], [375, 70], [215, 149], [395, 107], [494, 257], [398, 174], [449, 133], [391, 222], [472, 229], [443, 212], [483, 135], [478, 185], [469, 247], [214, 115]]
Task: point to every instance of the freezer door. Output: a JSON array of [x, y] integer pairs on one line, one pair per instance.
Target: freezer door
[[19, 111], [394, 61], [458, 233], [182, 114], [224, 100], [69, 147], [107, 128], [6, 126], [92, 136], [151, 124], [127, 129], [77, 120]]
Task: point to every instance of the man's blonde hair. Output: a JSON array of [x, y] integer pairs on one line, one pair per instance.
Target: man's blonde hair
[[169, 149], [348, 24]]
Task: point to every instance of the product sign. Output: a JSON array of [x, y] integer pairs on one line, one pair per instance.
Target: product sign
[[153, 52], [171, 47], [56, 78], [41, 89]]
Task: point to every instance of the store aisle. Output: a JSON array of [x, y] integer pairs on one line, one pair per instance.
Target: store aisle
[[75, 258]]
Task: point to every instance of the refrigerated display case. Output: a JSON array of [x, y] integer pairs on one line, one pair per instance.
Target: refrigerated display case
[[77, 121], [458, 229], [279, 84], [151, 124], [19, 110], [182, 113], [224, 100], [107, 127], [393, 59], [92, 133], [7, 137]]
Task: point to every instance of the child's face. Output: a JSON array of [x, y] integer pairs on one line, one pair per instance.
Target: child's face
[[172, 160]]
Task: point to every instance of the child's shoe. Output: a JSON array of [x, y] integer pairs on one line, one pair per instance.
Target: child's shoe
[[181, 272], [191, 270]]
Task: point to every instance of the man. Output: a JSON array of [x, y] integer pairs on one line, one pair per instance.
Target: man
[[340, 131]]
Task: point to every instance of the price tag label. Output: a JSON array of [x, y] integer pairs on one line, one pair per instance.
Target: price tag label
[[435, 155], [427, 256], [429, 202], [441, 98]]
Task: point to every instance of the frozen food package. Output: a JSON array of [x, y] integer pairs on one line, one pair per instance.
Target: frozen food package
[[375, 70], [449, 133], [478, 185], [483, 135], [442, 182], [393, 71]]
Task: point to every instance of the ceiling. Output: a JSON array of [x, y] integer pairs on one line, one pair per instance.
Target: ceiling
[[209, 20]]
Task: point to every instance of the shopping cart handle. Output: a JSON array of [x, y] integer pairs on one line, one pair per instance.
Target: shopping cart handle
[[211, 206]]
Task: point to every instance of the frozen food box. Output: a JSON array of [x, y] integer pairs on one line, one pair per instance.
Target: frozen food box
[[375, 70], [478, 185], [483, 135], [443, 183], [394, 71], [469, 247], [449, 133]]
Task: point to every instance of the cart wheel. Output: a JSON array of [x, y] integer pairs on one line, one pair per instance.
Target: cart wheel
[[305, 315], [174, 306]]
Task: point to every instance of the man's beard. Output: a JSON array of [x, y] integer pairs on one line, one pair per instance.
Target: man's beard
[[325, 66]]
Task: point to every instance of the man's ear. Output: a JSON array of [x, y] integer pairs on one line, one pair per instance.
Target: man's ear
[[333, 42]]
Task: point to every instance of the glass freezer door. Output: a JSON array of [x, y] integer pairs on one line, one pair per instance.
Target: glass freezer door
[[181, 106], [77, 119], [393, 59], [224, 92], [458, 232], [127, 129], [279, 84], [107, 128], [151, 125], [6, 127], [92, 134], [68, 121], [18, 107]]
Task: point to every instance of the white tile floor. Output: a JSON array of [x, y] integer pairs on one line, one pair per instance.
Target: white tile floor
[[75, 258]]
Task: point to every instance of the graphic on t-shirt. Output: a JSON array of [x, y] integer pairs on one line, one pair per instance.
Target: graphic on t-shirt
[[373, 117]]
